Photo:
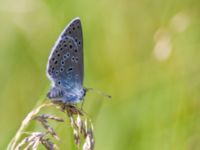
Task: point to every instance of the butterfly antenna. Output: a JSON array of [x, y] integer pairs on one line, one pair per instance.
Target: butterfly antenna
[[99, 92]]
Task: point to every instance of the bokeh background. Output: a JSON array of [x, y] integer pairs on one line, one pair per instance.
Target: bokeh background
[[146, 54]]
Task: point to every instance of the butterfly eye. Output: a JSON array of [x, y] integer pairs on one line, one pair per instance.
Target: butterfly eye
[[59, 82]]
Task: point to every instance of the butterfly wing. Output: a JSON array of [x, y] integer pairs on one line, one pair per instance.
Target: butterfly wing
[[74, 32], [65, 64]]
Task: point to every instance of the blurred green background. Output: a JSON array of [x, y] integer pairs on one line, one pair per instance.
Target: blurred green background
[[146, 54]]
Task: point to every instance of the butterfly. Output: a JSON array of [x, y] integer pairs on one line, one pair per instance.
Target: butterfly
[[65, 67]]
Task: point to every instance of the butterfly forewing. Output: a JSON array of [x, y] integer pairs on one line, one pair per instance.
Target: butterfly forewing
[[65, 66], [74, 32]]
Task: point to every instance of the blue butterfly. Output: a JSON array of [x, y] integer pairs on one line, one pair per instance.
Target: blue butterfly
[[65, 65]]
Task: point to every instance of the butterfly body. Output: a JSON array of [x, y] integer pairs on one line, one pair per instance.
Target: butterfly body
[[67, 96], [65, 67]]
